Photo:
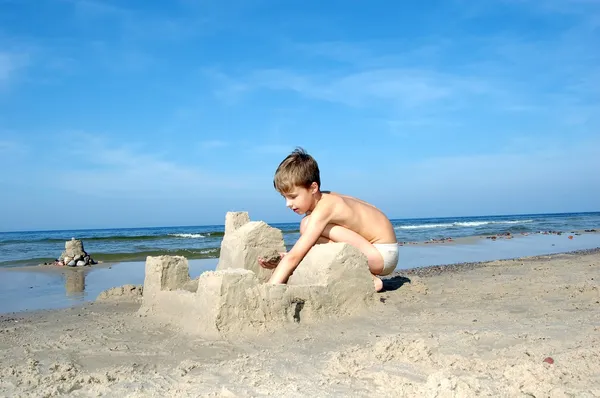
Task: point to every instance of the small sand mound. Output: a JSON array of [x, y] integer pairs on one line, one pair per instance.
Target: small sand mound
[[390, 349], [445, 385], [417, 285], [122, 293]]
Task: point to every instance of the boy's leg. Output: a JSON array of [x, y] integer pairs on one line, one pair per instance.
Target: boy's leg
[[337, 233]]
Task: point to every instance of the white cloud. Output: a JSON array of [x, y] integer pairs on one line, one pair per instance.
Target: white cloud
[[105, 169], [550, 178], [552, 76], [229, 90], [369, 54], [401, 87], [553, 166]]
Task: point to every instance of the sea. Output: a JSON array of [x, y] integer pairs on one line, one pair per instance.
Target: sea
[[203, 241]]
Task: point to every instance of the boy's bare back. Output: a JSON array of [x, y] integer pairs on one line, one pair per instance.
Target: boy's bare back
[[358, 216]]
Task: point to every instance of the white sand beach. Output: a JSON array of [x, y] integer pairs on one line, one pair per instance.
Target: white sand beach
[[472, 330]]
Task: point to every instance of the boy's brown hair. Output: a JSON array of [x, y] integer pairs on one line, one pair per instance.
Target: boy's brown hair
[[297, 169]]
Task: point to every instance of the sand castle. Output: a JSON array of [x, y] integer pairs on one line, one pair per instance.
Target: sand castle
[[332, 280]]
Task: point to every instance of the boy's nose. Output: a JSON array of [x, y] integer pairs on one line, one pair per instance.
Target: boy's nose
[[288, 203]]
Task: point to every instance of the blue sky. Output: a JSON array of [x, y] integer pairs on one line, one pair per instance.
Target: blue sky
[[154, 113]]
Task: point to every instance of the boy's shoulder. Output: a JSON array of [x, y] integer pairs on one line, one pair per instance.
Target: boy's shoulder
[[329, 198], [330, 201], [343, 204], [336, 197], [332, 195]]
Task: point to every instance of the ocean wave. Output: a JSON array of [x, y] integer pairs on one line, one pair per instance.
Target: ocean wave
[[191, 236], [212, 252], [461, 224], [122, 238], [114, 238], [190, 254], [423, 226], [119, 238]]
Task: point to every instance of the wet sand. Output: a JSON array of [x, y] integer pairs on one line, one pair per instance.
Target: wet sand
[[49, 287], [482, 329]]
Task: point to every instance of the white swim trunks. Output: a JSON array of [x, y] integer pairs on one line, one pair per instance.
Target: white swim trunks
[[389, 252]]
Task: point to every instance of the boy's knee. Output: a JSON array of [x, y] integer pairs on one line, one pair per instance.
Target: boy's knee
[[375, 261], [303, 224]]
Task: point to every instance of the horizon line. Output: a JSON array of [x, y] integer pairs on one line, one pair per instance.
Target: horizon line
[[297, 222]]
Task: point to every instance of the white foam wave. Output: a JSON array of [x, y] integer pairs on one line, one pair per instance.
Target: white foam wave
[[472, 223], [462, 224], [423, 226], [189, 236]]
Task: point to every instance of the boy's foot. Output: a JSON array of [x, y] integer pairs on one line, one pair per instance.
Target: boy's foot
[[378, 283]]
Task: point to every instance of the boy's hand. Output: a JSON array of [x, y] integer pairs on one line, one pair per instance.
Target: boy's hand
[[270, 263]]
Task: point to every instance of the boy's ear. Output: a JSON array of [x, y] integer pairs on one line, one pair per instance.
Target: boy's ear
[[314, 187]]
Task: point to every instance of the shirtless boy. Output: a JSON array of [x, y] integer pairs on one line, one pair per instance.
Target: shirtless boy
[[330, 217]]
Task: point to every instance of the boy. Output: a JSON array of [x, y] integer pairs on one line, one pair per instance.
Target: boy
[[330, 217]]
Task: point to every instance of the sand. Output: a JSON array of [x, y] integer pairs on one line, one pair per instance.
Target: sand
[[332, 280], [469, 330]]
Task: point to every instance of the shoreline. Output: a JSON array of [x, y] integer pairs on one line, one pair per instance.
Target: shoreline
[[511, 328], [420, 272], [426, 270], [494, 237], [27, 288], [215, 251], [432, 244], [431, 270]]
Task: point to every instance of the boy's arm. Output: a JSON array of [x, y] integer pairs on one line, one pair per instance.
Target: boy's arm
[[314, 228]]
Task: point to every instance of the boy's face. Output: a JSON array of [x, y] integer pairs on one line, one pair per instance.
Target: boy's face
[[301, 200]]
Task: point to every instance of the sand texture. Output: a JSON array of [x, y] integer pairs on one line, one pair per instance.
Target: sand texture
[[122, 293], [331, 281], [475, 331], [245, 241]]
